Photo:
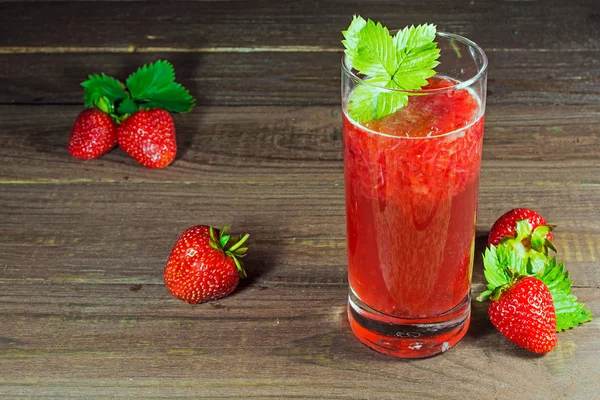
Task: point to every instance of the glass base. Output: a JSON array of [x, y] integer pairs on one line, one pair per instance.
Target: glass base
[[408, 338]]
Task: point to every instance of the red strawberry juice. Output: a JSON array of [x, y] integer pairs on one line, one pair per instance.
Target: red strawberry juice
[[411, 183]]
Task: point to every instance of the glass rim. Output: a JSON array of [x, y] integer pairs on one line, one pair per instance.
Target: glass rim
[[457, 86]]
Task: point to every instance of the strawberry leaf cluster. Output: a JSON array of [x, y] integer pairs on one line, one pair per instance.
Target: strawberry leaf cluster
[[151, 86], [506, 263]]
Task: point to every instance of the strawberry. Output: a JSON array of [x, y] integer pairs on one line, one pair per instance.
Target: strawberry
[[506, 225], [149, 137], [205, 264], [93, 134], [530, 292], [524, 313], [141, 106]]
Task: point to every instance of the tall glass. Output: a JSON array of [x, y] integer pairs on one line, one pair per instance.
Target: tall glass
[[411, 183]]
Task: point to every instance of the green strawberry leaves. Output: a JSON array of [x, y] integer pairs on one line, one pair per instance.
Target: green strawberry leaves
[[101, 85], [151, 86], [150, 78], [401, 62], [569, 312], [503, 265], [127, 106], [154, 86]]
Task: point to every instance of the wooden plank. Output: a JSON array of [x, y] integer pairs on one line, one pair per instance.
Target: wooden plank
[[298, 25], [272, 145], [288, 78], [279, 178], [258, 343], [114, 233], [83, 310]]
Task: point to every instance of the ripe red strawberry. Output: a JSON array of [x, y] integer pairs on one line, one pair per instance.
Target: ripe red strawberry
[[93, 134], [524, 313], [506, 225], [205, 264], [149, 137]]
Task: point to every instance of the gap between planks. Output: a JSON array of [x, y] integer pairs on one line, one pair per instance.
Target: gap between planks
[[256, 284], [257, 49], [77, 181]]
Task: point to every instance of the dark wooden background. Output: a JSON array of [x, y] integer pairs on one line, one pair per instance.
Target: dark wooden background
[[83, 309]]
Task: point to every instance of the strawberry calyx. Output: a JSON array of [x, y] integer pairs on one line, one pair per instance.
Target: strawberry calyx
[[527, 241], [231, 246]]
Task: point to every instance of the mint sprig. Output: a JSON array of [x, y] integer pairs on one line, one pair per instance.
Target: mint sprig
[[402, 62], [505, 264], [151, 86]]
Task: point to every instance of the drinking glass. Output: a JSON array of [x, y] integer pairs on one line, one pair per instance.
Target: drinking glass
[[411, 182]]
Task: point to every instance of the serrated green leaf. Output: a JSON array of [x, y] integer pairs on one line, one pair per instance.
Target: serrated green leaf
[[174, 98], [375, 53], [567, 319], [418, 54], [569, 312], [370, 102], [500, 261], [413, 37], [417, 67], [403, 62], [494, 267], [127, 106], [98, 85], [512, 259], [351, 34], [154, 86], [150, 78]]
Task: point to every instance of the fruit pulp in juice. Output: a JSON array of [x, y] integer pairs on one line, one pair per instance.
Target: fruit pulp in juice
[[411, 183]]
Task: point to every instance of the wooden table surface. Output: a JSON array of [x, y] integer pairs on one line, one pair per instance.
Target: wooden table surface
[[84, 312]]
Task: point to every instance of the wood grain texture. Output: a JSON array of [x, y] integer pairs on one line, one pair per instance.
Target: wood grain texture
[[83, 310], [304, 24], [109, 340], [293, 140], [279, 177], [288, 78]]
